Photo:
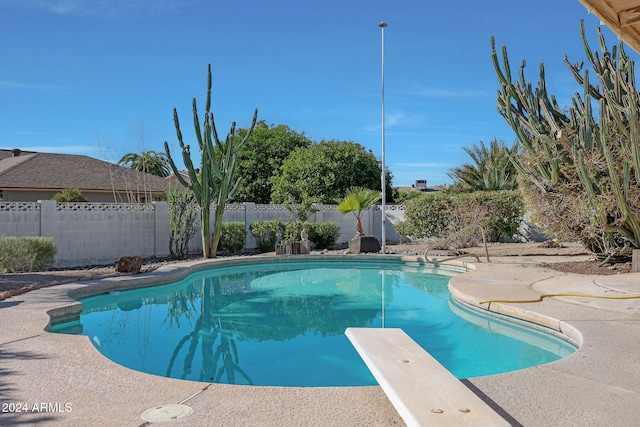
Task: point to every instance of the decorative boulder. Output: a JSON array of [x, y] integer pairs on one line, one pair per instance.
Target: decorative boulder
[[364, 244], [129, 264]]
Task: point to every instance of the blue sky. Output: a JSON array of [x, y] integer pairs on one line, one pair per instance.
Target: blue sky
[[101, 77]]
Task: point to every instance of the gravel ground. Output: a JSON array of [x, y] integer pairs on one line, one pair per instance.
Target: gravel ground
[[12, 284]]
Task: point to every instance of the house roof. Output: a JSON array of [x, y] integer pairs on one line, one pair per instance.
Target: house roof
[[621, 16], [29, 170]]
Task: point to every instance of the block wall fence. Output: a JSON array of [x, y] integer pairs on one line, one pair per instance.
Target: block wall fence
[[100, 233]]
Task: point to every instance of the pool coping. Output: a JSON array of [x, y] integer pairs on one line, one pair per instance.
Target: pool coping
[[598, 382]]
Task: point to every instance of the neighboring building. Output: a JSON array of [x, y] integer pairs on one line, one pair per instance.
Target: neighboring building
[[174, 180], [27, 176], [421, 184]]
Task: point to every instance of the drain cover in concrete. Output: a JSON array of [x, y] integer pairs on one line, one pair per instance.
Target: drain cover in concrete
[[170, 412]]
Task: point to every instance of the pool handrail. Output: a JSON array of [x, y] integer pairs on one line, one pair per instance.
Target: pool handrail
[[451, 237]]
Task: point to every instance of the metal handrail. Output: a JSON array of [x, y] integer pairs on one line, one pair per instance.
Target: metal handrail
[[451, 237]]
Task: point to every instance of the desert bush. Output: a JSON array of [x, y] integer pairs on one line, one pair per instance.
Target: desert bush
[[183, 221], [429, 215], [405, 196], [69, 195], [232, 237], [438, 215], [323, 234], [24, 254], [403, 229], [291, 230], [266, 234], [500, 212]]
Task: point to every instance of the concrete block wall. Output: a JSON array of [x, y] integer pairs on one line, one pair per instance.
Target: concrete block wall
[[20, 219], [100, 233]]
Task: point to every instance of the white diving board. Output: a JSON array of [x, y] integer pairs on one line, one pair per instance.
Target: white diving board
[[423, 392]]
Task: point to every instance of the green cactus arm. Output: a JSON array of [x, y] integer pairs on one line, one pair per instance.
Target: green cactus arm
[[209, 85], [196, 124]]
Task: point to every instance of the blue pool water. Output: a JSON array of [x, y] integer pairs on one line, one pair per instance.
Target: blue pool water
[[283, 324]]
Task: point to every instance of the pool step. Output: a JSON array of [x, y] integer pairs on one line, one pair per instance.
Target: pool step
[[423, 392]]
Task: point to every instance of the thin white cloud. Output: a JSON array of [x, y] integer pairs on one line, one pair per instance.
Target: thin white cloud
[[60, 149], [8, 85], [397, 118], [422, 165], [101, 8], [15, 85], [420, 90]]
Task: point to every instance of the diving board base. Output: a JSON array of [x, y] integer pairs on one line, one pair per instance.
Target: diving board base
[[423, 392]]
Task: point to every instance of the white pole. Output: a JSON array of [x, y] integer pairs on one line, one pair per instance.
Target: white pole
[[382, 25], [383, 299]]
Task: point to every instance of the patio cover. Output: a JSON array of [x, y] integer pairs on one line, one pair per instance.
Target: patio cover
[[621, 16]]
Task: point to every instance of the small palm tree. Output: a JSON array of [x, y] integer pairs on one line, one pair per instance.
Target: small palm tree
[[492, 168], [355, 201], [148, 162]]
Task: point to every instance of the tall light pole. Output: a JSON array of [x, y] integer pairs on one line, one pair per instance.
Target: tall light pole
[[382, 25]]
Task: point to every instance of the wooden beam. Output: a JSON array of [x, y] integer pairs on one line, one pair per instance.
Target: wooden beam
[[629, 17], [611, 18]]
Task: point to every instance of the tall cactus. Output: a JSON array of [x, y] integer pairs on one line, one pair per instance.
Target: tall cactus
[[582, 172], [216, 177]]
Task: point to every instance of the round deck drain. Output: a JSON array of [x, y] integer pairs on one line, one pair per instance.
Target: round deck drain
[[170, 412]]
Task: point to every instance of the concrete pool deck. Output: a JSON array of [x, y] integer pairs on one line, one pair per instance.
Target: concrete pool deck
[[52, 379]]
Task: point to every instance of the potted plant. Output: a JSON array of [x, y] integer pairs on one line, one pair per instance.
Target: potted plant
[[355, 201]]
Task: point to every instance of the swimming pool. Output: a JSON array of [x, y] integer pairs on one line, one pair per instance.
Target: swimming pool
[[283, 324]]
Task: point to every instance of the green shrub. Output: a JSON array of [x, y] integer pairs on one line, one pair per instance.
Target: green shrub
[[291, 230], [405, 196], [428, 216], [232, 237], [438, 215], [502, 211], [403, 229], [323, 234], [24, 254], [266, 234], [69, 195]]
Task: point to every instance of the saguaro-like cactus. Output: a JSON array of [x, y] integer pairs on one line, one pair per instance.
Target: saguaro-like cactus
[[582, 173], [216, 176]]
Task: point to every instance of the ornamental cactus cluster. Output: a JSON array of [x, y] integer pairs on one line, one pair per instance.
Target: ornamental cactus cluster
[[215, 179], [580, 167]]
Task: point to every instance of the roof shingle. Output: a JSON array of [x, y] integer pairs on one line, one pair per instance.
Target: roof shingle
[[32, 170]]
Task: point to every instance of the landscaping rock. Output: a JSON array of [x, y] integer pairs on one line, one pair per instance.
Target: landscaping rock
[[129, 264], [364, 244]]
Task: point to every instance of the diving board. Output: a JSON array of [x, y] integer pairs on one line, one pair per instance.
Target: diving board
[[423, 392]]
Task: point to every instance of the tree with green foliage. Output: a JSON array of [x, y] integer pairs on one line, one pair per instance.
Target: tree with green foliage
[[148, 162], [492, 168], [69, 195], [216, 177], [357, 200], [261, 158], [580, 170], [324, 172]]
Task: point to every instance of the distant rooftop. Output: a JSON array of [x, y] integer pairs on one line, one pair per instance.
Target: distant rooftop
[[33, 170]]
